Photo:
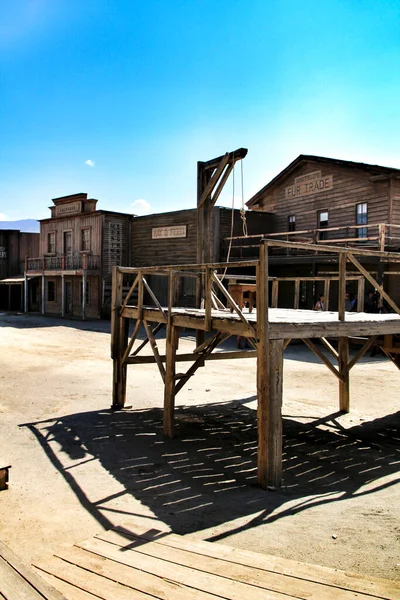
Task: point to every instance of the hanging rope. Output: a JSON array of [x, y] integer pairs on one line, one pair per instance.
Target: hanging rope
[[242, 210]]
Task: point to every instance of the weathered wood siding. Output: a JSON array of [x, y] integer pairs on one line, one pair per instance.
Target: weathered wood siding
[[9, 253], [147, 251], [115, 242], [350, 185], [74, 224], [28, 246], [92, 306]]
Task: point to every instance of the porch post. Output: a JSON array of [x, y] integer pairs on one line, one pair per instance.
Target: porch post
[[62, 295], [43, 295], [84, 287], [26, 295]]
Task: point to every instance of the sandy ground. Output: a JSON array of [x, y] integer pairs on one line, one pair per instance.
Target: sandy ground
[[77, 467]]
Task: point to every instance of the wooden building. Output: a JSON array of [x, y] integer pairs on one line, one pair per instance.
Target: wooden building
[[79, 246], [15, 245], [170, 238], [329, 201]]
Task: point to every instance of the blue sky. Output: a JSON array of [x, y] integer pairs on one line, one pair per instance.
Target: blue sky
[[121, 98]]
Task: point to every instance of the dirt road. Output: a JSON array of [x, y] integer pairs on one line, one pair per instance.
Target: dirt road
[[77, 467]]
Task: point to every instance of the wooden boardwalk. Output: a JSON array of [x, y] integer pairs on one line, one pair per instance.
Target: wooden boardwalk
[[147, 563], [19, 582]]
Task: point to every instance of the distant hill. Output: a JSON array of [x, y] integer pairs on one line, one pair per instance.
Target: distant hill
[[27, 225]]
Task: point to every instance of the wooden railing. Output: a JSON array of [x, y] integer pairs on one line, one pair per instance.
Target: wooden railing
[[65, 262], [374, 236]]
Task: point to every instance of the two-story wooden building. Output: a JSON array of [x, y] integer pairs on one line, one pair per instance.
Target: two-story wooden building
[[334, 202], [79, 245], [15, 245]]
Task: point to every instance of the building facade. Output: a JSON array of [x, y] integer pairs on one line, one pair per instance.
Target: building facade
[[15, 246], [336, 202], [79, 245]]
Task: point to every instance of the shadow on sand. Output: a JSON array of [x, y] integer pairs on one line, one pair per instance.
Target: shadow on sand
[[206, 475]]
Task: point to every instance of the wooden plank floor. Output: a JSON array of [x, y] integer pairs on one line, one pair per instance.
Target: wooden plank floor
[[147, 563], [19, 582]]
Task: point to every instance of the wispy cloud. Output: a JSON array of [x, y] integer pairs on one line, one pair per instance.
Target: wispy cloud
[[141, 207], [3, 217], [89, 162]]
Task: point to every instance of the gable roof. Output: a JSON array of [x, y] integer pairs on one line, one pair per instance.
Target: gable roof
[[373, 169]]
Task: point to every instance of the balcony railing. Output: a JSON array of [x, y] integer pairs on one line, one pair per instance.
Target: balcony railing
[[377, 236], [65, 262]]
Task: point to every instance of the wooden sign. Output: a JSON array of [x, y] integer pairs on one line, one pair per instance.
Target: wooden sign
[[175, 231], [68, 209], [310, 183]]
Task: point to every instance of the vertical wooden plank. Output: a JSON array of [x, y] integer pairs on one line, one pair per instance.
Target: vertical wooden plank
[[342, 285], [269, 387], [327, 289], [275, 375], [84, 287], [207, 315], [169, 385], [381, 236], [62, 295], [43, 295], [344, 386], [26, 294], [296, 293], [360, 294], [117, 342], [275, 292]]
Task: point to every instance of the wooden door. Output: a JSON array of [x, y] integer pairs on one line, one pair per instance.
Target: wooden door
[[68, 297]]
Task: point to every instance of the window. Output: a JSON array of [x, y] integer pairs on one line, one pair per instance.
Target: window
[[51, 291], [323, 224], [85, 239], [292, 223], [51, 242], [361, 219], [87, 293]]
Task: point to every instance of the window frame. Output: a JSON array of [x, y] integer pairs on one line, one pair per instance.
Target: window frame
[[322, 235], [361, 232], [52, 233], [81, 248], [291, 223]]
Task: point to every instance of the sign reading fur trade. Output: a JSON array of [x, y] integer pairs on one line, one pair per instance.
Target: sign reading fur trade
[[175, 231], [309, 184]]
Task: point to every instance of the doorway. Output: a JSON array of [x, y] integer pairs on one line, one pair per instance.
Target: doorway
[[68, 297]]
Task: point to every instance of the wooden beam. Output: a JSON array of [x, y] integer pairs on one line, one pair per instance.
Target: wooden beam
[[154, 347], [342, 286], [134, 284], [344, 383], [322, 356], [329, 347], [146, 341], [153, 297], [362, 351], [389, 256], [213, 181], [188, 357], [132, 340], [374, 283], [169, 383], [214, 162], [232, 302]]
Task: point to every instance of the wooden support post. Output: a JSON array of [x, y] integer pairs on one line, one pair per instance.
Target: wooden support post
[[275, 292], [169, 385], [26, 295], [119, 342], [327, 288], [360, 294], [342, 286], [344, 382], [269, 387], [84, 288], [62, 295], [43, 295], [296, 294]]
